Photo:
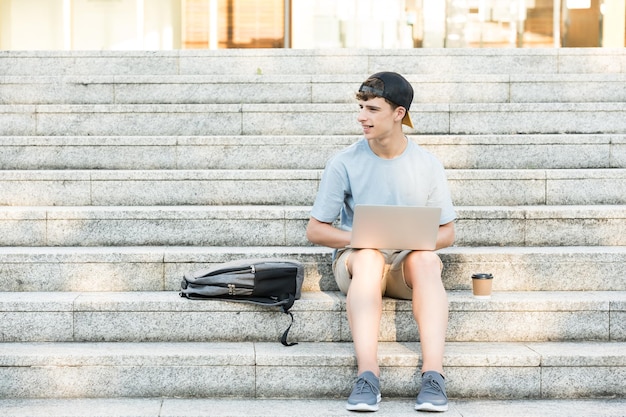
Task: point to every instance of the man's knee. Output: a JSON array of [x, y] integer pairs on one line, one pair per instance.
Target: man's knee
[[424, 258], [367, 258], [422, 265], [366, 267]]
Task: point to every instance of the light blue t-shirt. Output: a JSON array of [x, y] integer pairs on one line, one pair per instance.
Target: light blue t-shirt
[[356, 175]]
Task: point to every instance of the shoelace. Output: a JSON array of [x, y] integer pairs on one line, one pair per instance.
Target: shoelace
[[362, 384], [432, 386]]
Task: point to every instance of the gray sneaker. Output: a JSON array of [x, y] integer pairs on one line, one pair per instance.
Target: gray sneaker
[[432, 396], [365, 395]]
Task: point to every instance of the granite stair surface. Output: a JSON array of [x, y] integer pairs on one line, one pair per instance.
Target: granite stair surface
[[222, 407], [120, 171]]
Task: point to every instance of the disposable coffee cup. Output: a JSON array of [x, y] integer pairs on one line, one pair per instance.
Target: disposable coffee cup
[[481, 285]]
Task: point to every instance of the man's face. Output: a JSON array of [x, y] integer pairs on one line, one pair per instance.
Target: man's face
[[376, 117]]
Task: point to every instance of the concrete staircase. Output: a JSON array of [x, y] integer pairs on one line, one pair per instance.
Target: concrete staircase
[[120, 171]]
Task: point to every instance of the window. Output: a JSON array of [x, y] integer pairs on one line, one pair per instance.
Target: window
[[235, 23]]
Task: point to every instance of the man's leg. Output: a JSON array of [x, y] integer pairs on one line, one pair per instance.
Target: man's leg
[[364, 306], [430, 307], [422, 271]]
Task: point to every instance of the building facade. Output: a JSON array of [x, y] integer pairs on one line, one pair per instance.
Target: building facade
[[310, 24]]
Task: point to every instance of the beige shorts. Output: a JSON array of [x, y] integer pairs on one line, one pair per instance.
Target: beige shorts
[[392, 283]]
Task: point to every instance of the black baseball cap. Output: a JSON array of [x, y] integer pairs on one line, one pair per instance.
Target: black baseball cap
[[395, 89]]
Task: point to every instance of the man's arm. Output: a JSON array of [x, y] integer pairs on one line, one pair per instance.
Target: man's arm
[[325, 234], [445, 237]]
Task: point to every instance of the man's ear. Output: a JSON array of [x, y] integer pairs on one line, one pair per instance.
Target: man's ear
[[399, 114]]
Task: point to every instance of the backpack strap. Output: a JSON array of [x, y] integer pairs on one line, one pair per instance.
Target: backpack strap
[[286, 308], [283, 339]]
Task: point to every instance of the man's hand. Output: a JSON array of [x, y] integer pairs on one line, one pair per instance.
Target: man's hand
[[445, 236]]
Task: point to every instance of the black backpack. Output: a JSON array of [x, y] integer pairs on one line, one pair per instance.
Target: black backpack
[[268, 282]]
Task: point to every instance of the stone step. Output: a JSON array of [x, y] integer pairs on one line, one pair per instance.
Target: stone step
[[312, 62], [303, 119], [263, 407], [164, 316], [158, 188], [577, 151], [40, 269], [285, 226], [503, 187], [265, 89], [546, 370], [294, 187]]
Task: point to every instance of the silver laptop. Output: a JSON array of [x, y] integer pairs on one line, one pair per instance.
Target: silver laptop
[[395, 227]]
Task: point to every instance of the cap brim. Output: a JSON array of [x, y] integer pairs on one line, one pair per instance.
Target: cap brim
[[406, 120]]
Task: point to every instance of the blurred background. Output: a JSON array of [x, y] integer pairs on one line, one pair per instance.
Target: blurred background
[[310, 24]]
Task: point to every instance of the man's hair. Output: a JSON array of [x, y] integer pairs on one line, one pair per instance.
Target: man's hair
[[378, 84]]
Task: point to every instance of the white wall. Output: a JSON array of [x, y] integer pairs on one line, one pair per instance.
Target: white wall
[[104, 24], [350, 24], [614, 25], [31, 24], [5, 24], [162, 29], [94, 24]]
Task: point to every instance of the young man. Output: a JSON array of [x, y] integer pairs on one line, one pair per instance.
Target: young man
[[385, 168]]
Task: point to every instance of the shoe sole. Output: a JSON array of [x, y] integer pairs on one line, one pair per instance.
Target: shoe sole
[[431, 407], [364, 406]]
